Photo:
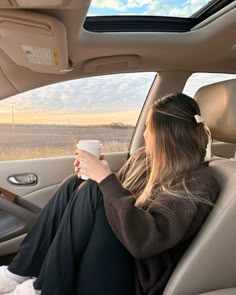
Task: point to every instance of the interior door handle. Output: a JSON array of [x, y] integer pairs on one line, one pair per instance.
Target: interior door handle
[[23, 179]]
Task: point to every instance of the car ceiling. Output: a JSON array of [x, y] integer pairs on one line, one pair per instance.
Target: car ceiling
[[208, 47]]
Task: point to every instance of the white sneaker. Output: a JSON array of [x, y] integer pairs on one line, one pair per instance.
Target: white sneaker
[[6, 284], [26, 288]]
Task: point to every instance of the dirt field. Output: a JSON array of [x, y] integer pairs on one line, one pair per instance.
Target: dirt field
[[30, 141]]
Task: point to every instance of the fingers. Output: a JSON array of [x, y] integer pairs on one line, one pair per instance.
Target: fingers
[[85, 155], [79, 163], [76, 163], [79, 167], [76, 167], [85, 160]]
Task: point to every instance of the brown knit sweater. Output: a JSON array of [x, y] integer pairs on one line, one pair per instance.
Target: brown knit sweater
[[157, 236]]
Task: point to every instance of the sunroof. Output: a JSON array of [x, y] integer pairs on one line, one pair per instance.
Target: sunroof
[[176, 8], [149, 15]]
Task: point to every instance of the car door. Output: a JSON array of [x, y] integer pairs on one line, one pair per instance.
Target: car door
[[32, 183], [39, 131]]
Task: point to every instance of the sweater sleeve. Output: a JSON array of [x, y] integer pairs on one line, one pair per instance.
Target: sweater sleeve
[[144, 232]]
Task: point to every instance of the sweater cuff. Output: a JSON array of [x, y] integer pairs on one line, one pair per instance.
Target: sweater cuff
[[112, 186]]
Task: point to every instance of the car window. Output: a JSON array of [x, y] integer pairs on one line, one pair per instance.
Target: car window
[[198, 80], [50, 120]]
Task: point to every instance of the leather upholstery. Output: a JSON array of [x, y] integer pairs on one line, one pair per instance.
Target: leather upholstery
[[218, 108], [210, 262], [231, 291]]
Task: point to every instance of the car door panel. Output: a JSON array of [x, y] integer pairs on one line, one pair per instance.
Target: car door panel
[[42, 196], [49, 171], [10, 246], [16, 217]]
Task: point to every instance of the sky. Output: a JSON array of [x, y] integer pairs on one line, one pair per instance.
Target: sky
[[181, 8], [88, 101], [91, 101]]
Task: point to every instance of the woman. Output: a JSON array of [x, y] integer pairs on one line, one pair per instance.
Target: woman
[[122, 234]]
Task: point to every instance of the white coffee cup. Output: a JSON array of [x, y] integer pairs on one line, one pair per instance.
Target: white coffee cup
[[91, 146]]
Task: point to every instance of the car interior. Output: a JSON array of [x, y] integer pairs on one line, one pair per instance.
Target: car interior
[[44, 43]]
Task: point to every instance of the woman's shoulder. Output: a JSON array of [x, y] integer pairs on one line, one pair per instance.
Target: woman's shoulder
[[201, 181], [195, 186], [202, 174]]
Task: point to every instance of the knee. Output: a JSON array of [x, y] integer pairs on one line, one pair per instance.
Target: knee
[[70, 184], [90, 189], [90, 185], [72, 180]]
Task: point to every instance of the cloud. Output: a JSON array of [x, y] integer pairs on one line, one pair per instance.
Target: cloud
[[95, 100], [182, 11], [101, 96], [138, 3], [110, 4], [170, 8], [199, 2], [181, 8]]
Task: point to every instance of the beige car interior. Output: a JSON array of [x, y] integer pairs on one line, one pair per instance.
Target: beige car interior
[[38, 195], [210, 262], [42, 43], [221, 119], [230, 291], [88, 53]]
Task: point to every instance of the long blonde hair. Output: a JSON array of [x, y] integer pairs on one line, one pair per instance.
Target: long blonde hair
[[179, 145]]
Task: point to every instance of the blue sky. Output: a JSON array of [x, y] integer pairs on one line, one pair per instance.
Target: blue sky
[[182, 8]]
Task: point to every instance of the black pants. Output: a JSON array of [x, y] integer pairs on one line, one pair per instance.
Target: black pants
[[71, 248]]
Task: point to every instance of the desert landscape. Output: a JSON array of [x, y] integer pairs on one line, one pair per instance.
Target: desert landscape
[[37, 141]]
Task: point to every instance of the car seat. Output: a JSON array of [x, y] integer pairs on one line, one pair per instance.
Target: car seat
[[210, 262]]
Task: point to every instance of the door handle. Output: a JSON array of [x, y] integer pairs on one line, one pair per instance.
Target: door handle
[[23, 179]]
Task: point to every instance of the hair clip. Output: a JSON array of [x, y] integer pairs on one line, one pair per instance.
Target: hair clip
[[199, 119]]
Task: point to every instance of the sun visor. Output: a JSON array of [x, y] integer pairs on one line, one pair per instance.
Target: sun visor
[[35, 41], [42, 3]]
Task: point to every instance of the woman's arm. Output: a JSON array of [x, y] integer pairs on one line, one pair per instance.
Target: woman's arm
[[88, 164], [144, 232]]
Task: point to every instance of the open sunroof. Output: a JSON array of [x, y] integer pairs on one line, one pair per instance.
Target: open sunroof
[[181, 8], [149, 15]]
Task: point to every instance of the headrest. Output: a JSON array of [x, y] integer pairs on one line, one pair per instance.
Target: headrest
[[217, 103]]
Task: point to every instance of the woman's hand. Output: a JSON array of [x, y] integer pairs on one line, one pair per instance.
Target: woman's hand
[[87, 164]]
